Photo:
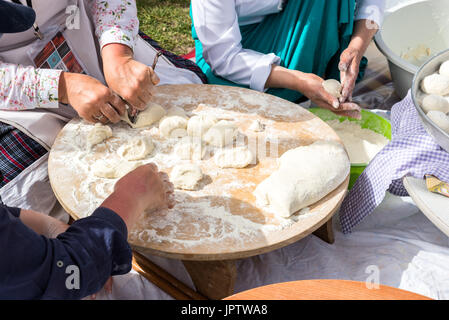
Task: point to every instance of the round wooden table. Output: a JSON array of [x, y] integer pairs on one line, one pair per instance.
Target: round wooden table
[[325, 290]]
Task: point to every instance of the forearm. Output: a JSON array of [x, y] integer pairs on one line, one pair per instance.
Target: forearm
[[43, 224], [364, 31]]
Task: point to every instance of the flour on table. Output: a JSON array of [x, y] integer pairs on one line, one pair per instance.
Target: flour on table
[[362, 144]]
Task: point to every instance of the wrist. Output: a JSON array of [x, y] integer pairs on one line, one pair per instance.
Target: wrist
[[125, 205], [62, 88], [116, 53]]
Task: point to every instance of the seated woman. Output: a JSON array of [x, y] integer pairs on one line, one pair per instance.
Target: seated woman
[[80, 58], [285, 47]]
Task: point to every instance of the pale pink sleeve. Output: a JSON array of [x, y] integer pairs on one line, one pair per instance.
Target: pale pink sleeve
[[27, 87]]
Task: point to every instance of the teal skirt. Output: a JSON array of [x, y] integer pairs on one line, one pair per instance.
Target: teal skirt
[[308, 35]]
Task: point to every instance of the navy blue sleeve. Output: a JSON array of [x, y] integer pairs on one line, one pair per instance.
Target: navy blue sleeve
[[74, 265]]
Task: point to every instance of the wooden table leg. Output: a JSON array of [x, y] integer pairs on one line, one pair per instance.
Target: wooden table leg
[[326, 232], [214, 279]]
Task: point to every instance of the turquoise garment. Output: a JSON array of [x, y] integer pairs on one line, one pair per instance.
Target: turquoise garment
[[308, 35]]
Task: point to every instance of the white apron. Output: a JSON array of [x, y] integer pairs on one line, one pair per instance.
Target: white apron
[[31, 188]]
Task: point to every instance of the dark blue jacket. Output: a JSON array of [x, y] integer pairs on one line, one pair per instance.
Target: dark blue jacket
[[74, 265]]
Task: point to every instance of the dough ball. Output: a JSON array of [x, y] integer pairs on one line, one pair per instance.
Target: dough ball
[[113, 169], [440, 119], [305, 175], [436, 84], [153, 113], [190, 149], [136, 149], [333, 87], [221, 134], [98, 134], [433, 102], [176, 111], [198, 125], [257, 126], [173, 127], [444, 69], [239, 157], [186, 176]]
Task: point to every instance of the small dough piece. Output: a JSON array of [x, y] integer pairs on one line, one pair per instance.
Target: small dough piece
[[153, 113], [177, 111], [257, 126], [136, 149], [173, 127], [186, 176], [305, 175], [198, 125], [113, 169], [444, 69], [239, 157], [436, 84], [221, 134], [333, 87], [440, 119], [190, 149], [98, 134], [433, 102]]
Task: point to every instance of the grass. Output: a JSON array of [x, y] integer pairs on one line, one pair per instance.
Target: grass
[[168, 22]]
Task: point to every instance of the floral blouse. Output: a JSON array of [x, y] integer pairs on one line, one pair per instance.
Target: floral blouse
[[25, 87]]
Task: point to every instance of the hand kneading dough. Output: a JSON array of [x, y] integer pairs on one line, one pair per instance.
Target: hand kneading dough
[[173, 127], [444, 69], [190, 149], [239, 157], [186, 176], [435, 84], [136, 149], [333, 87], [305, 175], [221, 134], [147, 117], [98, 134], [113, 169], [198, 125], [433, 102], [440, 119]]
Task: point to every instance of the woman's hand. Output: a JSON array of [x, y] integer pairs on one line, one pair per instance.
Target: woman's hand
[[364, 31], [132, 80], [93, 101]]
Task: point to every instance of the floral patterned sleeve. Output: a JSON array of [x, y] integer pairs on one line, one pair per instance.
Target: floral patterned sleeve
[[115, 21], [24, 87]]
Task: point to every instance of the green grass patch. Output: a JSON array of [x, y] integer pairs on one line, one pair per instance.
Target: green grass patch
[[168, 22]]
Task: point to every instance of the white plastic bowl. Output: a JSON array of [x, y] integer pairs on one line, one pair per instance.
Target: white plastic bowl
[[408, 26]]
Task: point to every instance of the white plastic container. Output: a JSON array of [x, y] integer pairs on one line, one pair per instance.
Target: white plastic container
[[411, 25]]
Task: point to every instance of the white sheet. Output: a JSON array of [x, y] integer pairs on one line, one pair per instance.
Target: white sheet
[[408, 250]]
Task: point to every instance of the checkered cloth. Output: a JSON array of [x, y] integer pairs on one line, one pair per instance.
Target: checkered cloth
[[17, 152], [411, 152]]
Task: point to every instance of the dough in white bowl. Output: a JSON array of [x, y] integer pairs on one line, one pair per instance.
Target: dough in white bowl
[[221, 134], [433, 102], [190, 149], [440, 119], [239, 157], [186, 176], [173, 127], [435, 84], [113, 169], [333, 87], [198, 125], [98, 134], [305, 175], [153, 113], [444, 69], [136, 149]]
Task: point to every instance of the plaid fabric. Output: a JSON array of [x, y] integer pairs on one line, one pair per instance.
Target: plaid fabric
[[178, 61], [17, 152], [411, 152]]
